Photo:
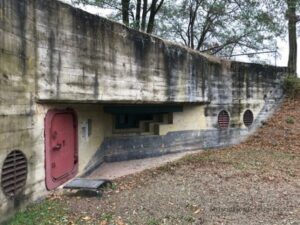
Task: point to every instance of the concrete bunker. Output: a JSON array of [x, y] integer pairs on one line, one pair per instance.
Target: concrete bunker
[[133, 95]]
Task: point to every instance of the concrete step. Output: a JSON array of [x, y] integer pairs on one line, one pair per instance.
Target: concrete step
[[154, 128], [168, 118], [144, 125]]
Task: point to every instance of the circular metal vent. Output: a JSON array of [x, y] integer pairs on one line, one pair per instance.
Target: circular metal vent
[[14, 173], [248, 118], [223, 119]]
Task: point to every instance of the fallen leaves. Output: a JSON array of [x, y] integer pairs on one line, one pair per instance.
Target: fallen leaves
[[103, 222], [86, 218]]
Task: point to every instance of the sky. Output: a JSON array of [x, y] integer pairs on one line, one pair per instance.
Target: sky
[[281, 60]]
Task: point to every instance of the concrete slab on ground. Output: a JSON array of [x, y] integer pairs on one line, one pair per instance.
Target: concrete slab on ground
[[116, 170]]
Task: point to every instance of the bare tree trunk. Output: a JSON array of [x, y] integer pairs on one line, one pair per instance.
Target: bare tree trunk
[[152, 16], [138, 14], [153, 11], [125, 11], [192, 20], [291, 15], [190, 30], [144, 15]]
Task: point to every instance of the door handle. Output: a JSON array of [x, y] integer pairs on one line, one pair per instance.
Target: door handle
[[57, 147]]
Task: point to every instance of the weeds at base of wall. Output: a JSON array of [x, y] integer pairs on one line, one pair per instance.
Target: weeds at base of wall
[[44, 213]]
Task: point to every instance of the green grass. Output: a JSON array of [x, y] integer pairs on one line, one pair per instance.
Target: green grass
[[107, 217], [152, 221], [290, 120], [45, 213], [114, 186]]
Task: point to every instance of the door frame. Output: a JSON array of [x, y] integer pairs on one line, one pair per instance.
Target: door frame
[[51, 183]]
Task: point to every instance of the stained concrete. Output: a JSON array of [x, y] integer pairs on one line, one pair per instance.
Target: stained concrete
[[56, 56]]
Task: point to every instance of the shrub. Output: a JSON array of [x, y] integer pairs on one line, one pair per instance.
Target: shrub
[[290, 120], [291, 86]]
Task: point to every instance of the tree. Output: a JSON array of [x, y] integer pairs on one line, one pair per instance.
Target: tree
[[290, 10], [154, 8], [220, 27], [125, 11], [139, 14], [293, 19]]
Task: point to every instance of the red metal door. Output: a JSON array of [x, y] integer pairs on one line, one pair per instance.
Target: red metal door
[[61, 147]]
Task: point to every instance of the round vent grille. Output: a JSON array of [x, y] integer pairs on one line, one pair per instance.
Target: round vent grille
[[14, 173], [223, 119], [248, 118]]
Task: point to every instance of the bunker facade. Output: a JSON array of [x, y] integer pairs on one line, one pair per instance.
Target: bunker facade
[[77, 90]]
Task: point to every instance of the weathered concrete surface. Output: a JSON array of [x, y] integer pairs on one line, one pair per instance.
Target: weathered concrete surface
[[17, 92], [55, 56], [82, 57]]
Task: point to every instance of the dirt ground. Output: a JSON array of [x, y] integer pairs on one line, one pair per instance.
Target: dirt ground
[[257, 182]]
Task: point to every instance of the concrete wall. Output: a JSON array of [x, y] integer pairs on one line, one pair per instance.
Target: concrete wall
[[85, 57], [17, 91], [82, 57], [185, 135], [55, 56], [192, 118]]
